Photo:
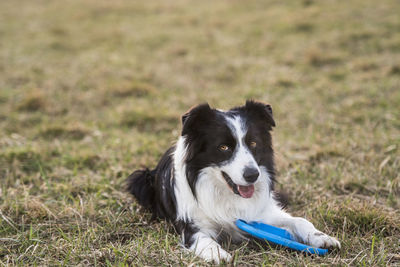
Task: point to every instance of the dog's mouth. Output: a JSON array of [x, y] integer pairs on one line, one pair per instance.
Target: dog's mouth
[[245, 191]]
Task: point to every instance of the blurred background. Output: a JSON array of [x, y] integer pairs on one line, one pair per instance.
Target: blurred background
[[91, 90]]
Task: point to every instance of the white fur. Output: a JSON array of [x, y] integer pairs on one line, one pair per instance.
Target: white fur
[[208, 249], [242, 156], [217, 207], [186, 202]]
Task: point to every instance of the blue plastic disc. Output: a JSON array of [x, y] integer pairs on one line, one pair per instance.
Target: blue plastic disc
[[277, 236]]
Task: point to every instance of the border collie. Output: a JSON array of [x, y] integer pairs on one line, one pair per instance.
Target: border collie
[[220, 170]]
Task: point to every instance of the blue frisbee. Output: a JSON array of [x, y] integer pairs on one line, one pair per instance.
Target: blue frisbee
[[277, 236]]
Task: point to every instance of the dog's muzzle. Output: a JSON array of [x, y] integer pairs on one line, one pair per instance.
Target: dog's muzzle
[[245, 191]]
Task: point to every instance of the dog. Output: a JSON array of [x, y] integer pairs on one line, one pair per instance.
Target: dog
[[220, 170]]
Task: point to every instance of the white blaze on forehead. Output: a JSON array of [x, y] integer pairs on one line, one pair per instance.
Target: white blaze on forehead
[[242, 156], [238, 128]]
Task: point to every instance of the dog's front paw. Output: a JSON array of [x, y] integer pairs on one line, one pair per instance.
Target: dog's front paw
[[306, 232], [215, 254], [321, 240]]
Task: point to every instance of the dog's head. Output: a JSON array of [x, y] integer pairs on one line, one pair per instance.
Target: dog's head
[[236, 143]]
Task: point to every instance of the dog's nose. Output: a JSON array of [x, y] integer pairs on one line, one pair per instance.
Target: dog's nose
[[250, 174]]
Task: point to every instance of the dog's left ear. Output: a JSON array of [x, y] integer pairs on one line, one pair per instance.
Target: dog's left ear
[[259, 109]]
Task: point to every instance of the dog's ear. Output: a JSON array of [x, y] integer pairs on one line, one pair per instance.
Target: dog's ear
[[195, 117], [261, 110]]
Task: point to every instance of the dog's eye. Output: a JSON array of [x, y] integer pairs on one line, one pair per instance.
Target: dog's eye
[[253, 144], [223, 147]]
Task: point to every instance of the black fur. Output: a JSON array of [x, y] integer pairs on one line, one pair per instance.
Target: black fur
[[140, 184], [187, 229], [145, 186], [205, 129]]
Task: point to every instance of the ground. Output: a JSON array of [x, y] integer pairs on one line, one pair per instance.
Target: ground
[[92, 90]]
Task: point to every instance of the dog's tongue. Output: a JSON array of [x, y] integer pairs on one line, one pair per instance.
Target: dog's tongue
[[246, 191]]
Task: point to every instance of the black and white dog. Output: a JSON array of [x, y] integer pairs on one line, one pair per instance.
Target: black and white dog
[[220, 170]]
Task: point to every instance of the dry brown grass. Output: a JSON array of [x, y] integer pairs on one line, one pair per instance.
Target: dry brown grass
[[91, 90]]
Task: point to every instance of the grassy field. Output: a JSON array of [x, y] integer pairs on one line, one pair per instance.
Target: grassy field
[[91, 90]]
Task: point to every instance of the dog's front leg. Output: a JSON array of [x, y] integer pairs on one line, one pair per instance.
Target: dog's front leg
[[203, 245], [302, 229]]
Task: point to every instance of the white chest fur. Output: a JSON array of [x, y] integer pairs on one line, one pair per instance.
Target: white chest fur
[[216, 206]]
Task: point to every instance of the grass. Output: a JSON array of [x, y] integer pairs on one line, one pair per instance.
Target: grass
[[91, 90]]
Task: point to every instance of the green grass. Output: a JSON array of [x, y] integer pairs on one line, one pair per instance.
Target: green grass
[[91, 90]]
